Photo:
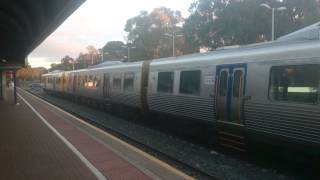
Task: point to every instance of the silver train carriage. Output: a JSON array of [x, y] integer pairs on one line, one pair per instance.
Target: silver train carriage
[[270, 89]]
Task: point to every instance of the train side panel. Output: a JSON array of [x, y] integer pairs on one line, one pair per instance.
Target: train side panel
[[180, 100], [89, 85], [293, 115], [125, 85]]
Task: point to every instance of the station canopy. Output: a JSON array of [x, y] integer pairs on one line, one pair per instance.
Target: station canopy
[[24, 24]]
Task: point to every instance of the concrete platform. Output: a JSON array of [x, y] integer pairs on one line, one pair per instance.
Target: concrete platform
[[41, 141], [29, 150]]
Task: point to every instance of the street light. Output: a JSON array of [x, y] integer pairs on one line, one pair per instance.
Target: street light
[[173, 35], [102, 55], [91, 58], [272, 9], [72, 61], [128, 47]]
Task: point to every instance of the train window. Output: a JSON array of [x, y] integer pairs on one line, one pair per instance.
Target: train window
[[190, 82], [165, 82], [84, 81], [90, 81], [69, 79], [116, 82], [237, 83], [295, 83], [79, 80], [57, 80], [63, 79], [128, 82], [223, 83]]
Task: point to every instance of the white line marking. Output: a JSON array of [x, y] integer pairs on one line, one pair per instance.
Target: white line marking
[[95, 171], [142, 153]]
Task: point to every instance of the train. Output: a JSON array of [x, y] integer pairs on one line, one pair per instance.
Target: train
[[266, 92]]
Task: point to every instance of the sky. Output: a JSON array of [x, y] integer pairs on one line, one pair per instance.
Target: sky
[[95, 23]]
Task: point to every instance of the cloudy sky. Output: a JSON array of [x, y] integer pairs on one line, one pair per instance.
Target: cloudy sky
[[95, 23]]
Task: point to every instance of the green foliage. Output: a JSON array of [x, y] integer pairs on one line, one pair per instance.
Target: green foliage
[[114, 50], [146, 32], [215, 23], [300, 13], [212, 23], [30, 74]]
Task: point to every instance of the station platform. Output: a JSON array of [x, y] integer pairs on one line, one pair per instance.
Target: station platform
[[41, 141]]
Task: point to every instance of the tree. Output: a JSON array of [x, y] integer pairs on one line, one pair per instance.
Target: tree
[[30, 74], [215, 23], [65, 65], [299, 14], [81, 61], [146, 32], [66, 60], [198, 28], [93, 55], [114, 50]]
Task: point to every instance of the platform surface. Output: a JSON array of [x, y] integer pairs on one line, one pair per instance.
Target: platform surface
[[29, 150], [41, 141]]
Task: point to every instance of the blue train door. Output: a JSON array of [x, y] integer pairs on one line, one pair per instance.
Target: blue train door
[[230, 92]]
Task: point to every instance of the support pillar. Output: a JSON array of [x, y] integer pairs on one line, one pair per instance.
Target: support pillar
[[14, 88], [3, 85]]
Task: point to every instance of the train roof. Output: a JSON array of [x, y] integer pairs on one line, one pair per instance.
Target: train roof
[[109, 65], [243, 54]]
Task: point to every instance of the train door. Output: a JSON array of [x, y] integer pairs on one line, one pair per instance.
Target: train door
[[237, 94], [222, 93], [229, 95], [230, 92], [106, 85], [54, 82], [144, 85], [74, 83], [1, 84]]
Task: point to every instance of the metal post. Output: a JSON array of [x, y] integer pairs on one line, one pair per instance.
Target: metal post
[[1, 94], [14, 88], [91, 59], [102, 55], [128, 53], [173, 45], [272, 35]]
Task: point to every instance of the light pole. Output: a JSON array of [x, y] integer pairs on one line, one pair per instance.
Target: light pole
[[102, 52], [272, 23], [92, 59], [173, 35], [128, 47]]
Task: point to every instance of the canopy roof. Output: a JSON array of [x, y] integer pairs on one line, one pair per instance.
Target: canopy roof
[[24, 24]]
